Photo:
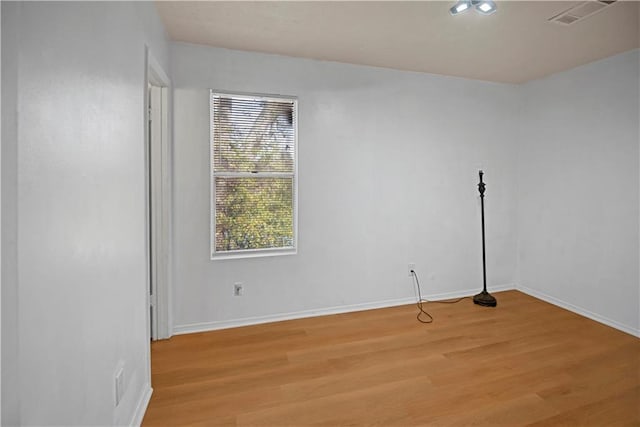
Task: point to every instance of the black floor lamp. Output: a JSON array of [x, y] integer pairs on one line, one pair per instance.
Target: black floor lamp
[[484, 298]]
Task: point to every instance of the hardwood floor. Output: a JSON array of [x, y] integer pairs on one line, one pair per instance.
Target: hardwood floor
[[524, 362]]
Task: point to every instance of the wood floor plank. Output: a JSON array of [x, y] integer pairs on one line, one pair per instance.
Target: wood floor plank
[[525, 362]]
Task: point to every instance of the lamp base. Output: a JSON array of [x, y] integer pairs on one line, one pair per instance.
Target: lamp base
[[485, 299]]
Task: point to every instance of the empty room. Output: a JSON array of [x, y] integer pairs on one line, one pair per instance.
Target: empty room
[[289, 213]]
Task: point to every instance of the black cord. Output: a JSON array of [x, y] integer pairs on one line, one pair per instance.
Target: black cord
[[421, 309]]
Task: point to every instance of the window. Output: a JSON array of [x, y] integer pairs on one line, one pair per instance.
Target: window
[[253, 175]]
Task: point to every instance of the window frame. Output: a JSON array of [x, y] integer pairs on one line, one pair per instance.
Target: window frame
[[250, 253]]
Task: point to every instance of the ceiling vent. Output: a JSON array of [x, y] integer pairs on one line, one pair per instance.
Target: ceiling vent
[[580, 11]]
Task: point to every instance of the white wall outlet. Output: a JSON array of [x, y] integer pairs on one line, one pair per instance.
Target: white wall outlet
[[119, 385], [412, 267], [238, 289]]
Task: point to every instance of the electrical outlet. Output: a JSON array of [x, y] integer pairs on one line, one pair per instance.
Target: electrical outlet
[[119, 385], [238, 287], [412, 267]]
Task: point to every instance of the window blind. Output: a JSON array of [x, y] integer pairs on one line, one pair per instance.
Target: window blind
[[253, 173]]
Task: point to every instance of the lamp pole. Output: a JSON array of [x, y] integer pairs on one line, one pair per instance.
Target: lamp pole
[[484, 298]]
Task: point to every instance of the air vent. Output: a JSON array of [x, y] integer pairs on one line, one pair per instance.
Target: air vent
[[580, 11], [566, 19]]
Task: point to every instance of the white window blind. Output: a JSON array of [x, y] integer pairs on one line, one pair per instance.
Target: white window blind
[[253, 148]]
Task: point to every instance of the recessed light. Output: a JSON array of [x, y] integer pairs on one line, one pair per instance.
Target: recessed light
[[460, 7], [486, 7]]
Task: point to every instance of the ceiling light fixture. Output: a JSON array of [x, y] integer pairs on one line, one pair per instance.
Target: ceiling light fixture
[[460, 7], [485, 7]]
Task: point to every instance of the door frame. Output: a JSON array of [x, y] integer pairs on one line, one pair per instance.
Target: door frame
[[158, 232]]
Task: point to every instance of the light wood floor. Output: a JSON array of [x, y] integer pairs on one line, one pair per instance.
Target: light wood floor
[[525, 362]]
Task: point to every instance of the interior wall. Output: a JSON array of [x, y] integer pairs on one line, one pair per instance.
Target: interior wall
[[388, 164], [74, 215], [579, 190], [9, 289], [0, 216]]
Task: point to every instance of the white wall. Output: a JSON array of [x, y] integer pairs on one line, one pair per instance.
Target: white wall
[[74, 215], [388, 164], [0, 214], [579, 192], [10, 406]]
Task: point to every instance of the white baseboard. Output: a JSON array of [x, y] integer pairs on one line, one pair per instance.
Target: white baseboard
[[141, 407], [246, 321], [467, 292], [579, 310]]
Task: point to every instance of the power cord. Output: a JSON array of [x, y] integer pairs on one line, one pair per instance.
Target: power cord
[[422, 312]]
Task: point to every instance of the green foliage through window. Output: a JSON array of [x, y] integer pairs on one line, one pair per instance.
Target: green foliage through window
[[253, 148]]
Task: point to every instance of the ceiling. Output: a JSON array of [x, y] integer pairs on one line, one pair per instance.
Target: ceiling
[[514, 45]]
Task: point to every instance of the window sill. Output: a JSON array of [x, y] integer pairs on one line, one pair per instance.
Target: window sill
[[252, 253]]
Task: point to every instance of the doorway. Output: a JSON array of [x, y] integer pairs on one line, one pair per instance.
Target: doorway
[[158, 207]]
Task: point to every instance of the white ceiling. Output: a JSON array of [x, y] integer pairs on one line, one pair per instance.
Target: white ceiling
[[514, 45]]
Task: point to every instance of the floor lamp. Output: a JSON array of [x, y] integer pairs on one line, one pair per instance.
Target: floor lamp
[[484, 298]]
